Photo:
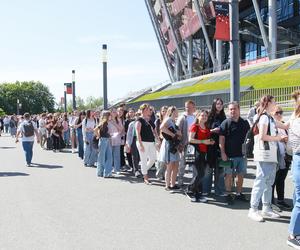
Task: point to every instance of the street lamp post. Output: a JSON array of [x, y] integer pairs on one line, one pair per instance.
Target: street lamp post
[[234, 51], [19, 106], [73, 89], [104, 61]]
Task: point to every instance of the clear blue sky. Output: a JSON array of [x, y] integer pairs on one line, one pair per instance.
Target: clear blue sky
[[44, 40]]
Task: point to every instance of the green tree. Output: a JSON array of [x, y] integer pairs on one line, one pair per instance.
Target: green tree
[[2, 113], [93, 102], [35, 97]]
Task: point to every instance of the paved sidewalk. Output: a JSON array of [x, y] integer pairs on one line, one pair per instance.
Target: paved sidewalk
[[60, 204]]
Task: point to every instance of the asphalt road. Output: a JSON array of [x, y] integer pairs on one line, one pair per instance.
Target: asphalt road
[[60, 204]]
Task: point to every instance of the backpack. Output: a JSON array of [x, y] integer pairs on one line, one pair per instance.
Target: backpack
[[28, 129]]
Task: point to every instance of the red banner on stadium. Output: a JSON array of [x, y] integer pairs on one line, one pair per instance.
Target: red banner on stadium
[[222, 21], [68, 88]]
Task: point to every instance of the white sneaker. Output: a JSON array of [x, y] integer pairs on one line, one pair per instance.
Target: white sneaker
[[203, 199], [254, 215], [268, 212]]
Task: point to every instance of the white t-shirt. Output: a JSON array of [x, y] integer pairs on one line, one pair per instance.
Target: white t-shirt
[[265, 120], [21, 129]]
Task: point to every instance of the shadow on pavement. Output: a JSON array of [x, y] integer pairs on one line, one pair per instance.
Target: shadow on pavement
[[7, 147], [11, 174], [37, 165]]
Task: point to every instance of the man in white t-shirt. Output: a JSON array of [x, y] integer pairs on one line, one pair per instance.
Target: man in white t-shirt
[[27, 129], [184, 123]]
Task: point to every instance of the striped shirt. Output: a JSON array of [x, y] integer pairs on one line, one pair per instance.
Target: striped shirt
[[294, 135]]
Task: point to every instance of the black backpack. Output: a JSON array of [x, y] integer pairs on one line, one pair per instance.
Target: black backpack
[[28, 129]]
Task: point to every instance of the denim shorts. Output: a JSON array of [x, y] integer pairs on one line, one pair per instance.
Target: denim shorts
[[239, 166]]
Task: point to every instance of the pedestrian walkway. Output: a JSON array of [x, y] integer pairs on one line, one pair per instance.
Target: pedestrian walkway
[[60, 204]]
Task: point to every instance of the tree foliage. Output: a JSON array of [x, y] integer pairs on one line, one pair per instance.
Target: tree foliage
[[34, 97], [81, 104], [2, 113]]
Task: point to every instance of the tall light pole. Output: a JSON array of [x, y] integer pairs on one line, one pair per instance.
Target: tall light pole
[[104, 61], [73, 89], [234, 51]]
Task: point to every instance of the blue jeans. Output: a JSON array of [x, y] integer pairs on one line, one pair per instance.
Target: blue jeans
[[294, 227], [116, 158], [80, 142], [27, 147], [104, 162], [90, 153], [219, 183], [67, 137], [262, 187]]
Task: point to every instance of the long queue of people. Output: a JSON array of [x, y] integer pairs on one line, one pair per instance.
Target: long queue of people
[[214, 146]]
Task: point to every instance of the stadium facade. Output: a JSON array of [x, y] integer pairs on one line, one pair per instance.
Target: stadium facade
[[185, 31]]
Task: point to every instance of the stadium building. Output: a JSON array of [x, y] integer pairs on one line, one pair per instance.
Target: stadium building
[[198, 62], [185, 31]]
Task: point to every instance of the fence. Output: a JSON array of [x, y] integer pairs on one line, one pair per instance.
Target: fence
[[248, 98]]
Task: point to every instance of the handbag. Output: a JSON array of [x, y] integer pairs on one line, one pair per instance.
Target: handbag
[[265, 151], [190, 154]]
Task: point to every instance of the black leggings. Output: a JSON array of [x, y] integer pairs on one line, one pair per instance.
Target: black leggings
[[279, 184], [196, 186], [55, 140]]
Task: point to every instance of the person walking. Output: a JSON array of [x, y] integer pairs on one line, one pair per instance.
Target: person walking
[[266, 139], [27, 129]]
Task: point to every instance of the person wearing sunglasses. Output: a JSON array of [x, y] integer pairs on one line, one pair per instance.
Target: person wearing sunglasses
[[283, 165]]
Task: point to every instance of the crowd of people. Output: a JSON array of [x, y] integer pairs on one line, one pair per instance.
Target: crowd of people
[[213, 146]]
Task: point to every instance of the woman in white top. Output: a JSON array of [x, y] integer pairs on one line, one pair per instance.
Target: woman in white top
[[88, 126], [266, 171], [294, 140]]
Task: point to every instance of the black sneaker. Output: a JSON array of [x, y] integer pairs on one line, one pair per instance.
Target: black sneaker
[[295, 242], [230, 199], [175, 187], [241, 197], [284, 205]]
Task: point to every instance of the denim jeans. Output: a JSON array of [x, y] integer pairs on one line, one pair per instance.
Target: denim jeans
[[262, 187], [219, 182], [27, 147], [294, 227], [104, 162], [67, 137], [116, 158], [80, 142], [90, 153]]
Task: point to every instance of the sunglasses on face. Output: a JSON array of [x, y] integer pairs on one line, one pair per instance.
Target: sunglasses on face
[[279, 113]]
